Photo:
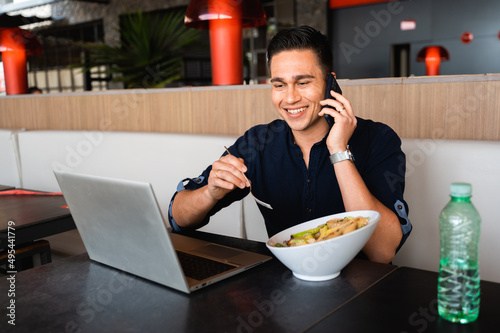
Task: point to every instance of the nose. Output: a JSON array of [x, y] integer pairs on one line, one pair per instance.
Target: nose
[[292, 95]]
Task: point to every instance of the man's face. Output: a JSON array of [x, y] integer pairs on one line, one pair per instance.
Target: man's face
[[298, 85]]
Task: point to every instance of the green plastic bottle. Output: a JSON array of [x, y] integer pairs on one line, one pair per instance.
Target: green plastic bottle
[[458, 281]]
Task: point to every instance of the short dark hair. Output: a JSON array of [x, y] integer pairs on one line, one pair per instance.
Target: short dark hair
[[33, 90], [302, 38]]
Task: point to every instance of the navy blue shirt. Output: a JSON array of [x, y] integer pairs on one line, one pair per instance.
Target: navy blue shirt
[[297, 193]]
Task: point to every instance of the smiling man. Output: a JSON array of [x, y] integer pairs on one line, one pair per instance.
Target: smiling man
[[319, 159]]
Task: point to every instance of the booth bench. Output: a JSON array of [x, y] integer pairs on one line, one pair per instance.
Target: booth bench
[[28, 159]]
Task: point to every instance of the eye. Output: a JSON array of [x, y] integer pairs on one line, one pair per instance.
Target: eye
[[304, 83], [278, 86]]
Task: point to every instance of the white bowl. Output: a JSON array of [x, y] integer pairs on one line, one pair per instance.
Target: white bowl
[[325, 259]]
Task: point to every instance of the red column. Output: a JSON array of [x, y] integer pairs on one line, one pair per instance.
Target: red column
[[14, 62], [226, 49], [15, 72]]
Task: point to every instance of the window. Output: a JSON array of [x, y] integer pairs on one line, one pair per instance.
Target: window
[[280, 15], [52, 71]]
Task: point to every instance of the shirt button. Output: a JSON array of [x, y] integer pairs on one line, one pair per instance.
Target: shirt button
[[298, 154], [309, 180], [309, 210]]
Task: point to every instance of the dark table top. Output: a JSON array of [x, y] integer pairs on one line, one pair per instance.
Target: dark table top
[[6, 187], [406, 301], [34, 217], [77, 293]]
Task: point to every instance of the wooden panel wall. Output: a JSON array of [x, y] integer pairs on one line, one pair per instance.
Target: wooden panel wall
[[467, 109], [454, 107]]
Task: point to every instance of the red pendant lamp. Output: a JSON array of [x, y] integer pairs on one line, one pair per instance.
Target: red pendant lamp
[[225, 20], [432, 56], [15, 45]]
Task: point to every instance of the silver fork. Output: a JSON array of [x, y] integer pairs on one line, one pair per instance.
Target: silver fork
[[260, 202]]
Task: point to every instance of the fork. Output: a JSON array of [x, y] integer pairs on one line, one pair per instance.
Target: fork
[[260, 202]]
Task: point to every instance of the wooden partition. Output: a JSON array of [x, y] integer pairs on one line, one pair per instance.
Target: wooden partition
[[440, 107]]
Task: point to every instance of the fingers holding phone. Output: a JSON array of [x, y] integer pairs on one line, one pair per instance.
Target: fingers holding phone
[[339, 108]]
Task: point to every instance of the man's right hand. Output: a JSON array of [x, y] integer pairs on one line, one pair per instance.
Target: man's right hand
[[226, 174], [191, 206]]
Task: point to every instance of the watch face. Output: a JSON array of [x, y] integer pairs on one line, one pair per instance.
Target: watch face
[[351, 156]]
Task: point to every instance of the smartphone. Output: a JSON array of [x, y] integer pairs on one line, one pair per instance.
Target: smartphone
[[331, 84]]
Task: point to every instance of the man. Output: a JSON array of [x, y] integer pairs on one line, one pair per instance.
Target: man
[[35, 91], [302, 165]]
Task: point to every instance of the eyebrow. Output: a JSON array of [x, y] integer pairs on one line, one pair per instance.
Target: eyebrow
[[295, 78]]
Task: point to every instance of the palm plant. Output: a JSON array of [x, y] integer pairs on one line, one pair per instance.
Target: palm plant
[[149, 54]]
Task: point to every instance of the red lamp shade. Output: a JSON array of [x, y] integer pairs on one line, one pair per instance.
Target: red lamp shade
[[225, 20], [15, 45], [432, 56]]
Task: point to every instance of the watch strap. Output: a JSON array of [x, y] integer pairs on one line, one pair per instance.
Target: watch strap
[[342, 156]]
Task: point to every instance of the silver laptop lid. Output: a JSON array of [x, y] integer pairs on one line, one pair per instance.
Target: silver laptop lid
[[118, 221]]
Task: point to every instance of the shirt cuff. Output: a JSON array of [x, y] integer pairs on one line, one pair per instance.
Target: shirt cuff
[[406, 226], [171, 220]]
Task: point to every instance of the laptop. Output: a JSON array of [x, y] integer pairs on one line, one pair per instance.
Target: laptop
[[121, 225]]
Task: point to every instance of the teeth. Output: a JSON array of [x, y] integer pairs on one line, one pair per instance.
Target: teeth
[[296, 110]]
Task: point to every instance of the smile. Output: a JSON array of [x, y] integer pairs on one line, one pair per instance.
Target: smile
[[295, 111]]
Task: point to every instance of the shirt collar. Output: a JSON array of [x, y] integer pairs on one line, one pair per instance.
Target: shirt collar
[[291, 140]]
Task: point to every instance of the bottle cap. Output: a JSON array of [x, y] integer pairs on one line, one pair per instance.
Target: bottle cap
[[460, 190]]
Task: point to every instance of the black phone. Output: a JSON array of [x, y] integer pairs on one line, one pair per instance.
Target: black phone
[[331, 84]]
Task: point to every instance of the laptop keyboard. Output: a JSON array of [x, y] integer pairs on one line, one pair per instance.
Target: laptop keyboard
[[200, 268]]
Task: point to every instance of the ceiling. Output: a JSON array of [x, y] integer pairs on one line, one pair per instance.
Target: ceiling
[[8, 21], [16, 20]]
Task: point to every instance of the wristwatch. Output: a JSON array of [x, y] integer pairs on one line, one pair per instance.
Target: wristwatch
[[342, 156]]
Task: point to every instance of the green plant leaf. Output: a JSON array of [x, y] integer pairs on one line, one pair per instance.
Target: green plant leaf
[[150, 52]]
